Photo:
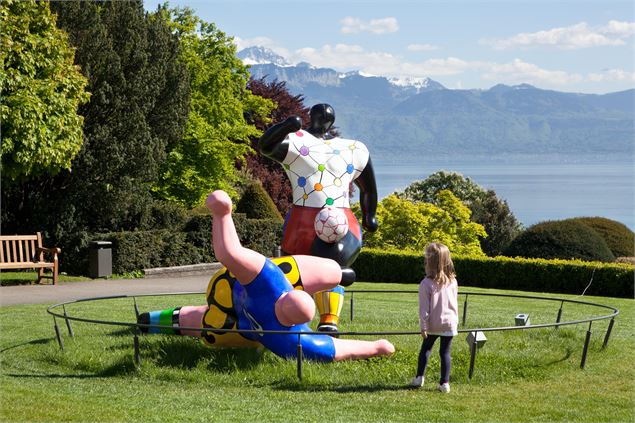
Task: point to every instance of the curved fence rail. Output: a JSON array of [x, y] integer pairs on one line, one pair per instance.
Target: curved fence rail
[[55, 312]]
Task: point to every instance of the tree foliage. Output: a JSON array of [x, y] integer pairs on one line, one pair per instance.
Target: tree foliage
[[272, 176], [487, 209], [408, 225], [255, 203], [41, 90], [216, 134], [138, 107]]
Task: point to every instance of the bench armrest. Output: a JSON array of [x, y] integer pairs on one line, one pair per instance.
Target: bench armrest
[[54, 251]]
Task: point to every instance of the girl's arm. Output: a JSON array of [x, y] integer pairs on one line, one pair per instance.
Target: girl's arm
[[424, 306]]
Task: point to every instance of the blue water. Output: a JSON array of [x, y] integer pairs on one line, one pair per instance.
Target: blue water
[[536, 187]]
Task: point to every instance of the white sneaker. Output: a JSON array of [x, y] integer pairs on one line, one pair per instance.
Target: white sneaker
[[417, 381], [444, 387]]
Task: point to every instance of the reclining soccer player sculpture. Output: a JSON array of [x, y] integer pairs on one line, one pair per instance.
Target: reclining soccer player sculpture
[[260, 294]]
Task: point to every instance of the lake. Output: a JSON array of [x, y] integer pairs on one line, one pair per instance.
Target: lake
[[536, 187]]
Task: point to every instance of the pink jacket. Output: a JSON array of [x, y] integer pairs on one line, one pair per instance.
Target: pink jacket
[[438, 306]]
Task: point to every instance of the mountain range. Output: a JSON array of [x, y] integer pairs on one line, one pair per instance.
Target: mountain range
[[420, 116]]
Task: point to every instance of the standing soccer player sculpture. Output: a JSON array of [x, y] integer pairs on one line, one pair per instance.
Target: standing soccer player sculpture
[[320, 222], [259, 294]]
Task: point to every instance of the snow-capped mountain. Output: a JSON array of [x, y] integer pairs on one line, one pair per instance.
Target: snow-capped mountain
[[425, 116], [260, 56], [265, 62]]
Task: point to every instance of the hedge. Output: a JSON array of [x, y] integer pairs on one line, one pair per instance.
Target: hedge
[[138, 250], [537, 275]]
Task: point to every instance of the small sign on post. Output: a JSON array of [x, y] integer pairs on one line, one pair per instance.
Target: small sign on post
[[476, 337], [522, 320]]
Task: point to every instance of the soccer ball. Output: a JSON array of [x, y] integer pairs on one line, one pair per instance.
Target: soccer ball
[[331, 224]]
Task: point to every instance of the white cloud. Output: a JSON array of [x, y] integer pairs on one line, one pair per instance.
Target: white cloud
[[422, 47], [576, 36], [346, 57], [621, 28], [518, 71], [611, 75], [351, 25]]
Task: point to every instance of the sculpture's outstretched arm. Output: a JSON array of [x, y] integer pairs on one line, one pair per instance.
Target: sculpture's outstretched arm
[[272, 143]]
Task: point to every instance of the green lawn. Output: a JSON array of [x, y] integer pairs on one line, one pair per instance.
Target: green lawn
[[520, 375]]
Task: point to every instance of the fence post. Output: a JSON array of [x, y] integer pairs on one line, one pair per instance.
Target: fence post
[[352, 306], [68, 323], [473, 348], [464, 310], [58, 334], [136, 308], [608, 333], [559, 314], [586, 346], [299, 358]]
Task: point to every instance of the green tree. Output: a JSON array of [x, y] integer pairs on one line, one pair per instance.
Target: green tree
[[41, 90], [138, 107], [487, 209], [216, 134], [408, 225]]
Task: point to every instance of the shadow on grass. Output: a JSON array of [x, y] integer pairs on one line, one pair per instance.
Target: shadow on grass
[[189, 353], [299, 386], [40, 341], [122, 367]]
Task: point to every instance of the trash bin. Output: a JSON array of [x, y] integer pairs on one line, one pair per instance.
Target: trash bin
[[100, 259]]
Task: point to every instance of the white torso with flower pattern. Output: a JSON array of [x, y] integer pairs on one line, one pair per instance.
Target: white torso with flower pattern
[[321, 170]]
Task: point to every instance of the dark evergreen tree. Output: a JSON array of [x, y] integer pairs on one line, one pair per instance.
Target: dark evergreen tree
[[138, 106]]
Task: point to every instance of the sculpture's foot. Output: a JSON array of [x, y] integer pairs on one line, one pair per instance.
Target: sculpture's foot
[[329, 329]]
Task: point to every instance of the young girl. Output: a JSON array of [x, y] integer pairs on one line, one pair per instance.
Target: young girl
[[438, 312]]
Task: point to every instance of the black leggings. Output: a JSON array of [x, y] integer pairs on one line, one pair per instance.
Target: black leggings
[[444, 354]]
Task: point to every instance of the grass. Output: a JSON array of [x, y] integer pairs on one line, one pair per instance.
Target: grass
[[523, 376]]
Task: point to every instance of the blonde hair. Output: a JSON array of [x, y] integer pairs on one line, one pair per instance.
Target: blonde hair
[[439, 266]]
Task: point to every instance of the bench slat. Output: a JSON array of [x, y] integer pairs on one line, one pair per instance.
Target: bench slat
[[1, 251], [25, 265], [15, 237], [13, 250], [21, 251]]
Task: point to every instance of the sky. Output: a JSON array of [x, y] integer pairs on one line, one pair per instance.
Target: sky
[[584, 46]]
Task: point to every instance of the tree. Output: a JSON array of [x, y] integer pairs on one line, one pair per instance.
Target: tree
[[408, 225], [41, 90], [216, 134], [487, 209], [138, 107], [272, 176]]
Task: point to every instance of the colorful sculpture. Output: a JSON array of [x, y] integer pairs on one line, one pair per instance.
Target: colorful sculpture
[[321, 170], [261, 294]]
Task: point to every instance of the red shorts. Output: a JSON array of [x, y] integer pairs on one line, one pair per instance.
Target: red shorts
[[299, 231]]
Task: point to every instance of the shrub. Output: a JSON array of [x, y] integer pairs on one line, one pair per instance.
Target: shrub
[[564, 239], [487, 209], [256, 203], [537, 275], [619, 238], [139, 250], [261, 235]]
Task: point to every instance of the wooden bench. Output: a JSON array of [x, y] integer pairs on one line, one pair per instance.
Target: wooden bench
[[26, 252]]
